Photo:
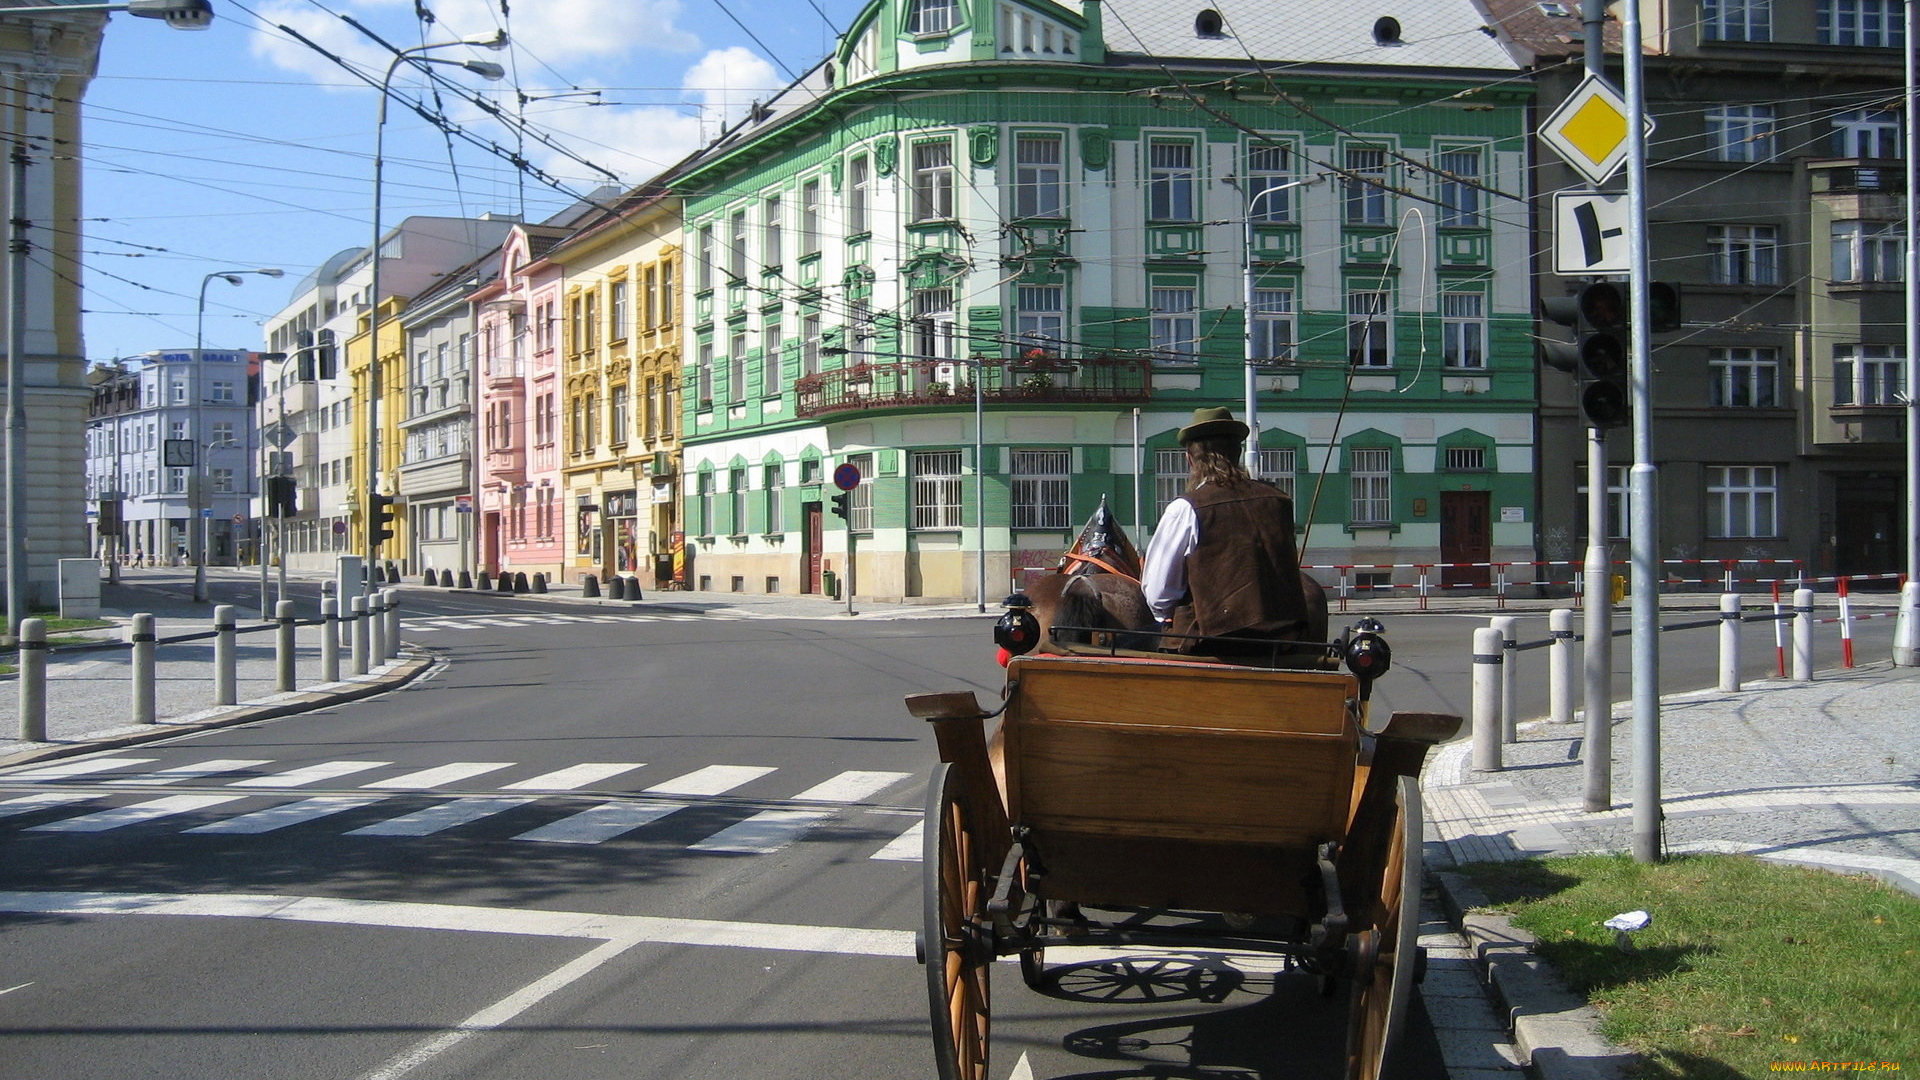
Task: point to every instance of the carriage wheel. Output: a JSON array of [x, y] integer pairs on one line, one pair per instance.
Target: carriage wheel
[[958, 960], [1383, 980]]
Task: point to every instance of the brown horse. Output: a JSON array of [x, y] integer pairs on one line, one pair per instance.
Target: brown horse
[[1104, 601]]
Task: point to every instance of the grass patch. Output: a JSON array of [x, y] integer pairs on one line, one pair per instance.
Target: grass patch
[[9, 656], [1747, 962]]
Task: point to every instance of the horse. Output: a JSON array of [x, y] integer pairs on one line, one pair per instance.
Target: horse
[[1103, 601]]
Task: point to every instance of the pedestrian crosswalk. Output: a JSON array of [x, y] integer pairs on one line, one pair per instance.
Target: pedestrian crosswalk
[[455, 623], [563, 806]]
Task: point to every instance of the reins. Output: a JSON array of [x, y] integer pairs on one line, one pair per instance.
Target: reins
[[1101, 563]]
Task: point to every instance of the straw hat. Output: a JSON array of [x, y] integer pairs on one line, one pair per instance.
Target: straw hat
[[1213, 424]]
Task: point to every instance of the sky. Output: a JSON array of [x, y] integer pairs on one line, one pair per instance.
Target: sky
[[241, 147]]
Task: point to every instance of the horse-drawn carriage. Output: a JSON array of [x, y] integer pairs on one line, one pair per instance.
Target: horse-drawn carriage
[[1138, 798]]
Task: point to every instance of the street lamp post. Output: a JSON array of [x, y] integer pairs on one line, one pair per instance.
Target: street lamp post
[[490, 71], [231, 277], [181, 15], [1252, 202]]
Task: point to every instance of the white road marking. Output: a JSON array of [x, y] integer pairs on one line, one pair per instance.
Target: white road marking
[[191, 772], [851, 786], [138, 813], [288, 814], [601, 823], [764, 833], [77, 768], [437, 776], [1022, 1070], [28, 804], [712, 780], [906, 847], [310, 774], [574, 777], [435, 819]]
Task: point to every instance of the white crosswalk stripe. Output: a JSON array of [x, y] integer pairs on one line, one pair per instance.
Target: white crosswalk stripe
[[137, 814], [770, 830], [904, 848], [712, 780], [574, 777], [439, 818], [311, 774], [438, 776], [77, 768], [288, 814], [27, 804], [601, 823], [190, 772]]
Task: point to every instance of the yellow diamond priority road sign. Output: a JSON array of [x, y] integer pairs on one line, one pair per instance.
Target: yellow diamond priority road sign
[[1589, 130]]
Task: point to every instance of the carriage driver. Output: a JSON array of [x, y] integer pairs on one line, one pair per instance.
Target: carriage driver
[[1223, 562]]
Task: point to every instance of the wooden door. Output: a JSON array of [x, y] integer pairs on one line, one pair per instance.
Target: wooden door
[[812, 538], [1466, 536]]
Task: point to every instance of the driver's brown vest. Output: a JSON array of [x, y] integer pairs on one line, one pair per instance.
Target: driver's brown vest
[[1243, 577]]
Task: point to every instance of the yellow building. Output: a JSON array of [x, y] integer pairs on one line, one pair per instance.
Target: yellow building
[[620, 455], [385, 468]]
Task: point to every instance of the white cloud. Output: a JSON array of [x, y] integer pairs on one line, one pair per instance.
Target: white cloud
[[726, 81]]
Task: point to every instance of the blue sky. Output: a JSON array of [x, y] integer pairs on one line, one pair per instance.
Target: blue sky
[[239, 147]]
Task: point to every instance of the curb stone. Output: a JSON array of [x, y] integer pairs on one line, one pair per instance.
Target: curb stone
[[1556, 1033]]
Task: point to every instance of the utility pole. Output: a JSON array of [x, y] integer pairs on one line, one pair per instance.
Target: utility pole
[[1596, 602]]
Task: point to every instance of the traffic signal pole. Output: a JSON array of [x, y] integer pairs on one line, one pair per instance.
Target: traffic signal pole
[[1596, 601]]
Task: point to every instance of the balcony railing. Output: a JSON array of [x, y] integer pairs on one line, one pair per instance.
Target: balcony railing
[[933, 383]]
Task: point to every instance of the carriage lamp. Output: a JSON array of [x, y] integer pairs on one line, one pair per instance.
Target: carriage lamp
[[1016, 631], [1368, 655]]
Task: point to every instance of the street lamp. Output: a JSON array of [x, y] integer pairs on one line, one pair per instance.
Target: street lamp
[[181, 15], [231, 277], [1252, 204], [489, 71]]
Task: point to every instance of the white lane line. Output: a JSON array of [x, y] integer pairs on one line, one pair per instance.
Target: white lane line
[[435, 819], [764, 833], [851, 786], [77, 768], [712, 780], [1022, 1070], [574, 777], [905, 847], [288, 814], [437, 776], [28, 804], [137, 814], [191, 772], [601, 823], [310, 774]]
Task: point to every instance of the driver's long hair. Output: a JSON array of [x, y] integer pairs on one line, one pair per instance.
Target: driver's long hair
[[1215, 461]]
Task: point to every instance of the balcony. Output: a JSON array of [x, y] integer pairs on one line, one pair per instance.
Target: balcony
[[932, 384], [507, 463]]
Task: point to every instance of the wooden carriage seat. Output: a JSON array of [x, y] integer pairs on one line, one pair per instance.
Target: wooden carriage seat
[[1157, 783]]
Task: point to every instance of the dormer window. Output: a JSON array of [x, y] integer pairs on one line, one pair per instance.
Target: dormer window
[[1208, 24], [932, 16]]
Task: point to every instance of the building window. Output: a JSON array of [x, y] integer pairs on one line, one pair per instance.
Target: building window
[[1170, 470], [770, 359], [1867, 133], [1040, 484], [1269, 184], [1869, 374], [1463, 330], [770, 246], [1364, 188], [223, 432], [621, 420], [933, 329], [933, 181], [1466, 459], [1174, 325], [1272, 328], [773, 484], [1743, 254], [222, 392], [669, 300], [936, 489], [1170, 180], [1460, 189], [1369, 343], [180, 392], [1616, 500], [618, 316], [704, 268], [737, 364], [858, 196], [223, 481], [1875, 24], [1869, 251], [1040, 320], [1742, 501], [859, 329], [1037, 176], [703, 374], [1744, 378], [1741, 132], [931, 16], [860, 506], [1736, 20], [737, 498], [737, 246], [176, 481], [1372, 478], [810, 218], [703, 496], [809, 345], [1277, 467]]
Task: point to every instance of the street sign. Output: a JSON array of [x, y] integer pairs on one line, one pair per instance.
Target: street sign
[[339, 527], [280, 435], [1590, 234], [239, 519], [206, 511], [463, 504], [847, 477], [1589, 130]]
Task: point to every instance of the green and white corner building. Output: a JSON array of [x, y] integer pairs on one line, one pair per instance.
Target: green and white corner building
[[1034, 212]]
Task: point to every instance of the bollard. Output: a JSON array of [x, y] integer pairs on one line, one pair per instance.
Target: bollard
[[446, 579], [1509, 667], [329, 640], [1560, 665], [224, 660], [540, 583], [376, 628], [466, 579], [1730, 642], [393, 573], [519, 581], [143, 639], [393, 623], [430, 578], [484, 583], [1489, 654], [616, 587], [590, 587], [283, 647], [33, 679], [1906, 628], [1803, 635], [359, 609], [633, 588]]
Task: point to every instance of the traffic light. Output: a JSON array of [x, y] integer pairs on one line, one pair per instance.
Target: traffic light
[[280, 497], [382, 506], [843, 506], [326, 355], [1600, 349]]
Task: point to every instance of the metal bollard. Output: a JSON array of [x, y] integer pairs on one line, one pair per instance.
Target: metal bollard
[[143, 639], [393, 623], [376, 628], [1489, 656], [224, 659], [359, 610], [283, 647], [1509, 667], [1906, 628], [1730, 642], [1560, 666], [1803, 635], [33, 679], [329, 640]]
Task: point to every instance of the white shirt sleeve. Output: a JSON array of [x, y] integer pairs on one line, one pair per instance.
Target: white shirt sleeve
[[1164, 577]]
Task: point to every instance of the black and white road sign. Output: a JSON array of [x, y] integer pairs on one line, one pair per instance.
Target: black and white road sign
[[1589, 233]]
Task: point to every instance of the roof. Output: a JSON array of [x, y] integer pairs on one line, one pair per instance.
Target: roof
[[1539, 31], [1316, 33]]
